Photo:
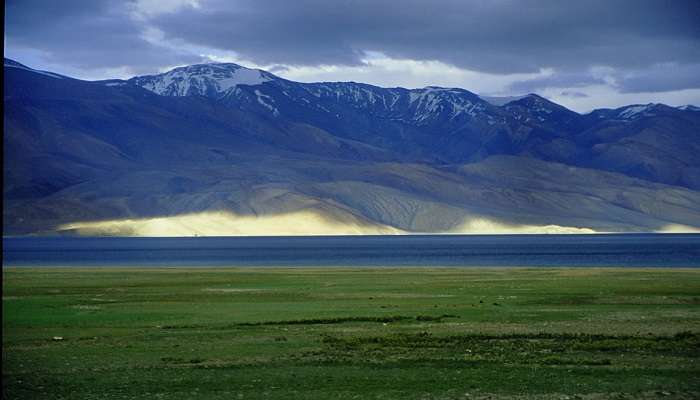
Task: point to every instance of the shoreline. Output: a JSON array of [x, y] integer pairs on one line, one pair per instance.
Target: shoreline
[[362, 252], [316, 236], [347, 269]]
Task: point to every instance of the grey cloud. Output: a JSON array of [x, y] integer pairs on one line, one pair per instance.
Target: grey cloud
[[557, 80], [568, 93], [86, 35], [656, 78], [661, 78], [491, 36], [633, 37]]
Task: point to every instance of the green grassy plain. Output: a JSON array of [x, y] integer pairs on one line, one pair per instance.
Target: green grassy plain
[[345, 334]]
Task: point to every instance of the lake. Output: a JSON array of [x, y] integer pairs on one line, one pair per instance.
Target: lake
[[615, 250]]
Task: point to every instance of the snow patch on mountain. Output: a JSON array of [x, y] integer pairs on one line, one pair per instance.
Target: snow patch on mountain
[[113, 83], [202, 79], [242, 76], [265, 101], [432, 102], [634, 111], [469, 108], [500, 100]]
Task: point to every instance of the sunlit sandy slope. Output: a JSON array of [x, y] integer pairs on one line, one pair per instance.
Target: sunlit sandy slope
[[486, 226], [221, 223], [300, 223], [305, 222], [292, 197], [677, 228]]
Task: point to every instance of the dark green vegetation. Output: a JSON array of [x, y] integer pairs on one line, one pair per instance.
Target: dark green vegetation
[[336, 334]]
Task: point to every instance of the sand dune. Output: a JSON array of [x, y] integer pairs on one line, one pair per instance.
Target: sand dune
[[486, 226], [303, 222], [222, 223]]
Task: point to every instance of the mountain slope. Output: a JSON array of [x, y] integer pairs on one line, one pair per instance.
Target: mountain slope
[[502, 191], [220, 149], [654, 142], [448, 125]]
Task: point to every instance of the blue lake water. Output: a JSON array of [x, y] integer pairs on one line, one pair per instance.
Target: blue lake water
[[626, 250]]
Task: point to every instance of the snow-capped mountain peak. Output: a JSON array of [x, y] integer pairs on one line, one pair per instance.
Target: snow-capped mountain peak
[[636, 111], [202, 79], [433, 103]]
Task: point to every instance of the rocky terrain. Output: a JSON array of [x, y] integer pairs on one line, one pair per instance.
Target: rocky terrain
[[220, 149]]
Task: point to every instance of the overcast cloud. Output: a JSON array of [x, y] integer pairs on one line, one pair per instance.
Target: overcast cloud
[[604, 51]]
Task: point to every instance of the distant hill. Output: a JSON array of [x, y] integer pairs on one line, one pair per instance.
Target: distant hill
[[223, 149]]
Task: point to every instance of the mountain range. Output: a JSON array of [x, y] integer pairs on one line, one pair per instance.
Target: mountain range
[[220, 149]]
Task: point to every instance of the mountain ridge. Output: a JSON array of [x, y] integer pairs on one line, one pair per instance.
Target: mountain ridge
[[352, 157]]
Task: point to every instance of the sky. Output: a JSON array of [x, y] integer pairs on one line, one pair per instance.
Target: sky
[[583, 54]]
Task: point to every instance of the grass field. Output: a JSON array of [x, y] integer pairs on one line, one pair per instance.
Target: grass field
[[350, 334]]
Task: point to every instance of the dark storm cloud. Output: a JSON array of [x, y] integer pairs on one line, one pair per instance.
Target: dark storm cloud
[[655, 78], [660, 78], [633, 37], [489, 36], [558, 80], [85, 34], [568, 93]]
